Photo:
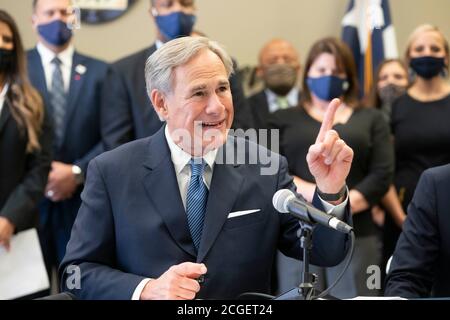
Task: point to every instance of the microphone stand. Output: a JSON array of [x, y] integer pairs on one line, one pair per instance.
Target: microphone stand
[[305, 290], [306, 287]]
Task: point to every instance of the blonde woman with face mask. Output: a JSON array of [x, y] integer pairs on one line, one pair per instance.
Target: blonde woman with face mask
[[420, 118]]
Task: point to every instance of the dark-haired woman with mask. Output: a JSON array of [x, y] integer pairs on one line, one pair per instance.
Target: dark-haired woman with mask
[[390, 82], [330, 72], [25, 138], [420, 118]]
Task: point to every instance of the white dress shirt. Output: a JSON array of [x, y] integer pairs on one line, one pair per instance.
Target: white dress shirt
[[158, 44], [3, 96], [292, 98], [66, 58], [180, 159]]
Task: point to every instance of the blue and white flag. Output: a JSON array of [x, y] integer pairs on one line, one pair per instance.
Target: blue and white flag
[[368, 31]]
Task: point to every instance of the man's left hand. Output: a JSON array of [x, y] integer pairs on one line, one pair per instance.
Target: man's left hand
[[330, 158], [61, 183]]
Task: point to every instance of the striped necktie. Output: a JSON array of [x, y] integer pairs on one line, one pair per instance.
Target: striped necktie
[[58, 100], [197, 195]]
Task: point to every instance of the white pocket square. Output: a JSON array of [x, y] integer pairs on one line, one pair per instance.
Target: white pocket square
[[242, 213]]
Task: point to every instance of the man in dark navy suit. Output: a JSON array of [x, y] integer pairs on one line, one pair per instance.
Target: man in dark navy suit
[[187, 213], [128, 113], [70, 84], [420, 265]]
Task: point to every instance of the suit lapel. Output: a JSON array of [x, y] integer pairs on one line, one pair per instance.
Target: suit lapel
[[76, 83], [4, 115], [225, 187], [37, 75], [162, 188], [264, 113]]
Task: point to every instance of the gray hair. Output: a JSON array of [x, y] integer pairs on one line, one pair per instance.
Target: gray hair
[[160, 65]]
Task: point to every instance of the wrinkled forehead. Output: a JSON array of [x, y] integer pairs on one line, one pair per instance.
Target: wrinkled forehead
[[203, 67], [205, 62]]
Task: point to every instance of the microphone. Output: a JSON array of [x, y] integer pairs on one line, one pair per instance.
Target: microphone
[[285, 201]]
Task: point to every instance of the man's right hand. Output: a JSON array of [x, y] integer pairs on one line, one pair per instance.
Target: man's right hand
[[6, 232], [177, 283]]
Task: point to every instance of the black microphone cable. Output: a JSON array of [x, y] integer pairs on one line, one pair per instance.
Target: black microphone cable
[[347, 260]]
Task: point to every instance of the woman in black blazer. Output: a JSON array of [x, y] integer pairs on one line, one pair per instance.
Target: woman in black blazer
[[25, 137]]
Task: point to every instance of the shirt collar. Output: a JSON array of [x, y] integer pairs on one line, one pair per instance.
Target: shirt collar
[[158, 44], [4, 91], [181, 158], [47, 55]]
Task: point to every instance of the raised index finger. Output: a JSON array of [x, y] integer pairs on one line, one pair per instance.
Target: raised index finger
[[328, 119]]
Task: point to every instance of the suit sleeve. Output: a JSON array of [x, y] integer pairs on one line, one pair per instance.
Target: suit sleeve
[[21, 206], [413, 265], [91, 248], [116, 118], [329, 246], [381, 167]]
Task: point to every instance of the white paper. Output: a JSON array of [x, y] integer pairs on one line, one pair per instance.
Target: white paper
[[22, 269]]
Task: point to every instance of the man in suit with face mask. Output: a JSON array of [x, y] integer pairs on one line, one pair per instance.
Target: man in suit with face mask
[[128, 111], [70, 84]]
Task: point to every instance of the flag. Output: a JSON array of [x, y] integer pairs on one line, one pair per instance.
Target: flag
[[368, 31]]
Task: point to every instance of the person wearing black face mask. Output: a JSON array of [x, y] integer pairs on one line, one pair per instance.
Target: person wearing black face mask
[[128, 112], [279, 67], [70, 84], [420, 119], [330, 73], [25, 139], [6, 60]]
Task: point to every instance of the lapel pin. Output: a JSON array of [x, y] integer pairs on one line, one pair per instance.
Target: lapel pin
[[80, 69]]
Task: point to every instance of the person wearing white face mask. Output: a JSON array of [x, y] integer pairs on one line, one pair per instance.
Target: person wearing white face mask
[[419, 118], [329, 73]]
